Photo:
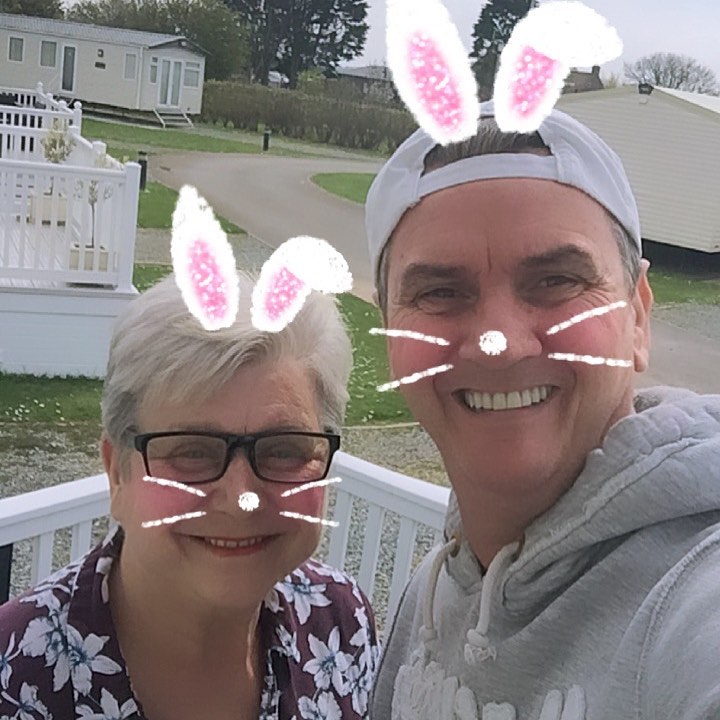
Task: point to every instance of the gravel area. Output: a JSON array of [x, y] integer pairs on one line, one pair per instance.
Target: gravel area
[[153, 246], [702, 319]]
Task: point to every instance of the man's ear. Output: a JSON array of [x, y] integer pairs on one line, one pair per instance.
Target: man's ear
[[642, 303]]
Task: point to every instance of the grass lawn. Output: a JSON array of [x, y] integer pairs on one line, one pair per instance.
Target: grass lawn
[[26, 399], [142, 138], [351, 186], [157, 203], [674, 287]]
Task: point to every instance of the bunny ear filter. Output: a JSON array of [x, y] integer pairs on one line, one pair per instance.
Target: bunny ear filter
[[543, 47], [432, 72], [203, 262], [431, 69]]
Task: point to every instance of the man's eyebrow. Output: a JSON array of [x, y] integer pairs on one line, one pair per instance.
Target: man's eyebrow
[[562, 256], [422, 272]]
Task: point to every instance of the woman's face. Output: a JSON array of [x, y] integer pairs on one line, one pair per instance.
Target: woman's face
[[180, 555]]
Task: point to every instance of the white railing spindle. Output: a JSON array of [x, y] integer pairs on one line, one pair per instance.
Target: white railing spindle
[[42, 556], [371, 548]]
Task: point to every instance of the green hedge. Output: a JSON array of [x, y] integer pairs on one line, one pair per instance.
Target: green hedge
[[306, 117]]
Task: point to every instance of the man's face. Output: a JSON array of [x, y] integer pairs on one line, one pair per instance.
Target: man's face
[[516, 256]]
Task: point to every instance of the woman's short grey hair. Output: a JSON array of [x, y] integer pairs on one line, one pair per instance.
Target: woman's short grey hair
[[490, 140], [160, 353]]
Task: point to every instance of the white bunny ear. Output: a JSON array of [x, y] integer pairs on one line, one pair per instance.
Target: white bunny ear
[[542, 48], [300, 265], [203, 262], [431, 69]]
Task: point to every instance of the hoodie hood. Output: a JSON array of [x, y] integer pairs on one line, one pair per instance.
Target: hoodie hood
[[619, 491]]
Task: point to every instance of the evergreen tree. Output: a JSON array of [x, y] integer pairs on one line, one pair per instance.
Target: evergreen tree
[[490, 35], [296, 35], [37, 8]]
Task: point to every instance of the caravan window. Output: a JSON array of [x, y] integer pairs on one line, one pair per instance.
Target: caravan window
[[48, 53], [130, 66], [153, 70], [15, 50], [192, 74]]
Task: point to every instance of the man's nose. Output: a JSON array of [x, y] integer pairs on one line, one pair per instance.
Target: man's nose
[[499, 334]]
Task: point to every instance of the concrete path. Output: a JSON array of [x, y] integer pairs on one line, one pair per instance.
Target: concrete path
[[274, 199]]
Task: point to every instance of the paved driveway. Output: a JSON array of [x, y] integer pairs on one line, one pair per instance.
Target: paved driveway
[[274, 199]]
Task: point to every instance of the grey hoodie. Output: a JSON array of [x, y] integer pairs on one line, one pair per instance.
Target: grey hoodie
[[610, 610]]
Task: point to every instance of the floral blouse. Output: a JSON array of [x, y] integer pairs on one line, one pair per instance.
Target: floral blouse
[[60, 657]]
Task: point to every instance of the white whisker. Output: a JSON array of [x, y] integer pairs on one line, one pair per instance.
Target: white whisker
[[586, 316], [310, 486], [173, 519], [174, 484], [590, 359], [410, 335], [309, 518], [414, 377]]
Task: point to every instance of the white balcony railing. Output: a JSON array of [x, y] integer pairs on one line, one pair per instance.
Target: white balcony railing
[[38, 515], [36, 108], [68, 223]]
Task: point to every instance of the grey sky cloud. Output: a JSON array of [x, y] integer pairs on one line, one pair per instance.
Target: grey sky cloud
[[690, 28]]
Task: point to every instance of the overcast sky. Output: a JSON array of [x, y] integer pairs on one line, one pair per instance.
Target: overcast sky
[[688, 27]]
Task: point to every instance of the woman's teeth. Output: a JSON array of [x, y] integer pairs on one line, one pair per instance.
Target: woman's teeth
[[506, 401], [231, 544]]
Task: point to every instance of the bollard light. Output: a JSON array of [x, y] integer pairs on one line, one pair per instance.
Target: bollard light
[[266, 140], [142, 162]]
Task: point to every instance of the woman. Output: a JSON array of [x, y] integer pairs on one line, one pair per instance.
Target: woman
[[203, 603]]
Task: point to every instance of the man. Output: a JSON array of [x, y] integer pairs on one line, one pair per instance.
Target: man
[[581, 574]]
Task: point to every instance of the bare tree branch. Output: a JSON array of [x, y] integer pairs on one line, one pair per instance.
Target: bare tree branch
[[679, 72]]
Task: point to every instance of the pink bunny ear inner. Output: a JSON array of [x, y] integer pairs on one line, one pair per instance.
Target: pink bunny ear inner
[[535, 78], [207, 281], [284, 291], [438, 92]]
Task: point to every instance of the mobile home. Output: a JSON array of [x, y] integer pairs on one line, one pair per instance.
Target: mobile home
[[127, 69], [669, 142]]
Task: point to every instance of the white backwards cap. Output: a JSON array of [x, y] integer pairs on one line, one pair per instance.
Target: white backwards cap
[[579, 158]]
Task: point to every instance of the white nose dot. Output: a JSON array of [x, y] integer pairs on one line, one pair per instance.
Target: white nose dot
[[493, 342], [249, 501]]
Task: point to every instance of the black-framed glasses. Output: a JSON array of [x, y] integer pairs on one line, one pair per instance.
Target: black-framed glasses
[[201, 457]]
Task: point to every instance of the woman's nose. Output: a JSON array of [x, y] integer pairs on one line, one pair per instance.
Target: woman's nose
[[240, 485]]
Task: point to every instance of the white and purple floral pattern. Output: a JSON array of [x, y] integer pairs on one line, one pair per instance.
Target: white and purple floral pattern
[[60, 658]]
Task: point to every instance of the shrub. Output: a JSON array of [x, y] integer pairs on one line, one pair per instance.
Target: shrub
[[317, 118]]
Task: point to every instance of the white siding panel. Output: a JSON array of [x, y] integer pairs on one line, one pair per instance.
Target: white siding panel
[[57, 333], [671, 153]]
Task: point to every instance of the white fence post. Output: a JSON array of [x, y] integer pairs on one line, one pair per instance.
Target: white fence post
[[128, 229]]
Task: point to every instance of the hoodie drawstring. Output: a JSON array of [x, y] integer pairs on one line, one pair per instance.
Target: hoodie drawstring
[[478, 646], [428, 633]]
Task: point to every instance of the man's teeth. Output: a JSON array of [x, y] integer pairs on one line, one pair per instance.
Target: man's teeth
[[231, 544], [507, 401]]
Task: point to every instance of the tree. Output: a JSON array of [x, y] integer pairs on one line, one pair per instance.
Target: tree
[[679, 72], [612, 81], [37, 8], [296, 35], [490, 35], [264, 20], [208, 23]]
